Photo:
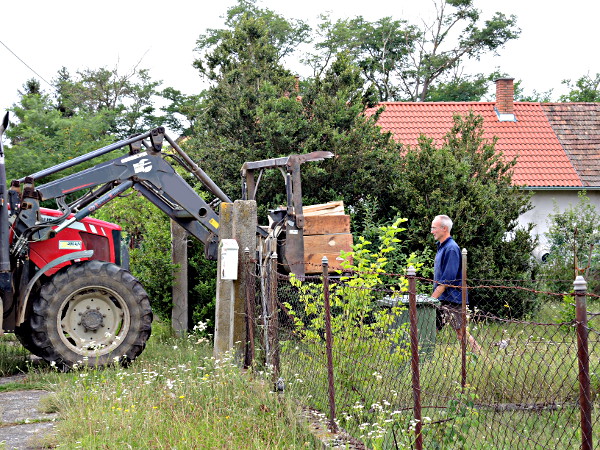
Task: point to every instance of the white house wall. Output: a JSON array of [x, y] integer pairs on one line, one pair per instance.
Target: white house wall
[[544, 203]]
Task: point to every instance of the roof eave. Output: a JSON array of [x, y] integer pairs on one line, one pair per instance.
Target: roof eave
[[559, 188]]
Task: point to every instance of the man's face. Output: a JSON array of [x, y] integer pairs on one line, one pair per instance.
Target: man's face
[[437, 230]]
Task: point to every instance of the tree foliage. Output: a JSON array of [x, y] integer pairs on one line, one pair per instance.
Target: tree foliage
[[127, 96], [417, 63], [460, 88], [182, 112], [381, 48], [248, 82], [83, 113], [364, 161], [535, 96], [585, 89], [254, 111], [42, 137]]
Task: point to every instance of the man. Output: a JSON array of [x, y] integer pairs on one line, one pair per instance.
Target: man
[[447, 272]]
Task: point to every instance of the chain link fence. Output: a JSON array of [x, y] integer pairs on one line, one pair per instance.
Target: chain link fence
[[393, 368]]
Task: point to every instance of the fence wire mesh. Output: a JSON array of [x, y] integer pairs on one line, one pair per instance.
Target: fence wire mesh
[[516, 384]]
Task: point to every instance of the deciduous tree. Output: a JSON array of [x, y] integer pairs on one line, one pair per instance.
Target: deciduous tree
[[585, 89], [412, 63]]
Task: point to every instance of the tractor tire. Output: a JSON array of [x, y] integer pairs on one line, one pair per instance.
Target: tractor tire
[[25, 336], [92, 313]]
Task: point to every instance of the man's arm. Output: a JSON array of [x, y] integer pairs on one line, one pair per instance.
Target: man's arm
[[439, 290]]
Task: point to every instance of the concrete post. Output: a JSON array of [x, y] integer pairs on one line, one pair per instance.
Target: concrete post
[[179, 313], [225, 290], [245, 222]]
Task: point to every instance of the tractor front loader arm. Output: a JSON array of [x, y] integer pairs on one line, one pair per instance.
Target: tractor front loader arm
[[145, 171]]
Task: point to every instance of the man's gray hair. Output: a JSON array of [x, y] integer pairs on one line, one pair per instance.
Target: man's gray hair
[[445, 221]]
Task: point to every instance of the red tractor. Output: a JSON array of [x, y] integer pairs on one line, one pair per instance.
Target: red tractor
[[63, 290]]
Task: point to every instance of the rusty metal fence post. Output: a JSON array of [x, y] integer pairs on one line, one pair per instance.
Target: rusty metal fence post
[[250, 308], [329, 345], [414, 362], [273, 317], [583, 356], [463, 341]]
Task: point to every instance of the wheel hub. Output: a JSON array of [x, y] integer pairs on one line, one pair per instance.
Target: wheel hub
[[92, 320]]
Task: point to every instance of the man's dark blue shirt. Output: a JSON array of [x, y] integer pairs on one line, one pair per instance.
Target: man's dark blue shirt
[[448, 270]]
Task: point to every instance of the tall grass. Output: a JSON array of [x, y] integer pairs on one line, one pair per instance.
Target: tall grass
[[13, 357], [176, 395]]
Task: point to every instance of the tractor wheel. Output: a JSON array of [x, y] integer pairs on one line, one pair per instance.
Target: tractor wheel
[[25, 336], [91, 313]]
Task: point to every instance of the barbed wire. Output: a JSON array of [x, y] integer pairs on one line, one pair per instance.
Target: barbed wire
[[352, 273]]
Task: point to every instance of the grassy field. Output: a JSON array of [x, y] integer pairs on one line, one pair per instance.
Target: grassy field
[[174, 396], [522, 392]]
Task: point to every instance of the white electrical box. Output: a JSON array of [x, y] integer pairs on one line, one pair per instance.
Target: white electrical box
[[229, 259]]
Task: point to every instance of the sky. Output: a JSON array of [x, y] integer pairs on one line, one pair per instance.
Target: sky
[[557, 42]]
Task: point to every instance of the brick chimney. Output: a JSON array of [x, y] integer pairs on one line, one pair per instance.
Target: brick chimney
[[505, 96]]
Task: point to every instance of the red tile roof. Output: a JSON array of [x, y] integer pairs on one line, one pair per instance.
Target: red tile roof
[[541, 160], [577, 126]]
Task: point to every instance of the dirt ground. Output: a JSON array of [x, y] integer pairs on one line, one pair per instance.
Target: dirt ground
[[23, 425]]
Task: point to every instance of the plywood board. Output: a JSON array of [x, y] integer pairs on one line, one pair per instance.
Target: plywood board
[[329, 245], [331, 208], [314, 225]]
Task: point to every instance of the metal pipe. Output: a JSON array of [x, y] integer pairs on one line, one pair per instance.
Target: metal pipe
[[264, 296], [463, 341], [273, 317], [414, 362], [583, 356], [88, 156], [250, 309], [329, 345], [4, 238], [5, 274], [94, 206]]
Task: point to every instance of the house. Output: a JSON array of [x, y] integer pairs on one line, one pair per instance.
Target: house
[[557, 145]]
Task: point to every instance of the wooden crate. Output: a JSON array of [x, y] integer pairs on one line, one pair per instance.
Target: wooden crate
[[329, 245], [326, 232]]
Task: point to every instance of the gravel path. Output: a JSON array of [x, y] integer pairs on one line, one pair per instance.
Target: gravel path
[[22, 425]]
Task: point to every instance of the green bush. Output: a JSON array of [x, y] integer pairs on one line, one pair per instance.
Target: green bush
[[361, 327], [468, 179], [573, 237]]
